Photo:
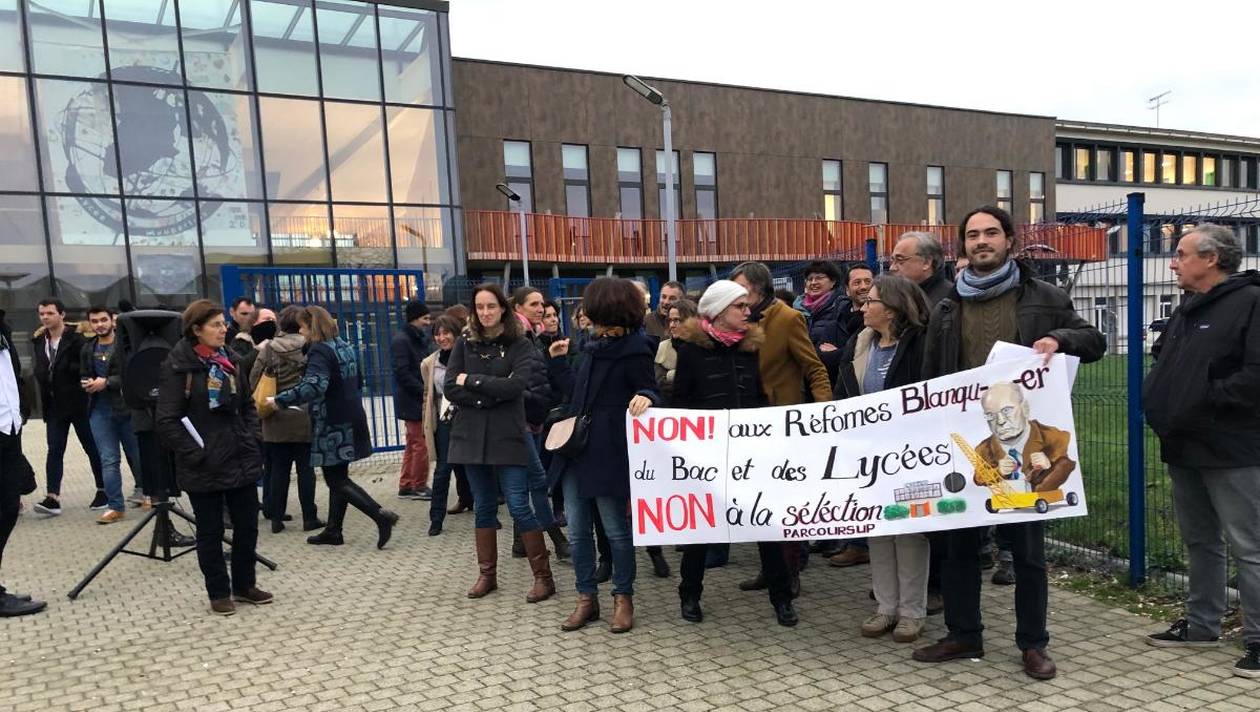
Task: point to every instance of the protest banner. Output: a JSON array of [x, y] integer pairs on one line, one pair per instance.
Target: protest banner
[[992, 445]]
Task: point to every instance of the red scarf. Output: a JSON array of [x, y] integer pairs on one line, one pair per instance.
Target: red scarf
[[215, 356], [814, 303], [727, 338]]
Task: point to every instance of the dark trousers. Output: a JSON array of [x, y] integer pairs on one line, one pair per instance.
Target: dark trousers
[[441, 486], [10, 500], [773, 567], [58, 432], [281, 458], [960, 580], [938, 542], [242, 508]]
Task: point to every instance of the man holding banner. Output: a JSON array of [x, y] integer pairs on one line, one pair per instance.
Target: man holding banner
[[997, 299]]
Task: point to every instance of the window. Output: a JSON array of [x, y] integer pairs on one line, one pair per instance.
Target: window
[[349, 63], [630, 183], [1168, 168], [1060, 162], [356, 152], [1225, 176], [409, 46], [1081, 165], [1103, 315], [833, 198], [1036, 197], [65, 37], [1128, 165], [1166, 306], [215, 37], [417, 155], [519, 171], [1209, 170], [877, 174], [1252, 239], [1189, 170], [936, 195], [660, 184], [577, 181], [704, 176], [284, 46], [1148, 167], [1246, 173], [1103, 165], [1004, 190], [293, 149]]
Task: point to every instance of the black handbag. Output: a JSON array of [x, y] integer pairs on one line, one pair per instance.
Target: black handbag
[[568, 436]]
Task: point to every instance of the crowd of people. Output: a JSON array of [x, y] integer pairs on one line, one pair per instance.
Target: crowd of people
[[495, 396]]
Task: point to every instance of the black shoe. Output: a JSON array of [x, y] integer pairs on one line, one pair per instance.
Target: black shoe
[[935, 603], [1178, 636], [277, 526], [406, 493], [660, 567], [328, 537], [435, 529], [786, 613], [176, 540], [385, 527], [691, 610], [1249, 664], [286, 518], [1005, 574], [99, 502], [986, 560], [756, 583], [603, 572], [11, 606], [50, 506], [794, 586], [310, 525], [424, 494]]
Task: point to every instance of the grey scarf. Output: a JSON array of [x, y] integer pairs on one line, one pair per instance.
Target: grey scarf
[[979, 289]]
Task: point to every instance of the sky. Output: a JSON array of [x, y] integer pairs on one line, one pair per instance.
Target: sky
[[1075, 60]]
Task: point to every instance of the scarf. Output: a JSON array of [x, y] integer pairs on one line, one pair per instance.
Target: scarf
[[527, 325], [759, 310], [726, 338], [221, 371], [978, 289], [813, 304]]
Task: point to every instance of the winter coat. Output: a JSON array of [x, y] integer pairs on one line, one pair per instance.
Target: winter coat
[[113, 376], [665, 363], [59, 390], [1202, 397], [832, 323], [489, 426], [430, 414], [285, 358], [936, 288], [407, 350], [330, 385], [712, 375], [790, 366], [1042, 309], [617, 369], [231, 457], [906, 366], [540, 399]]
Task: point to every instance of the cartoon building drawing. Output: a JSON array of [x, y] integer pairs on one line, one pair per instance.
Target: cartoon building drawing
[[917, 495]]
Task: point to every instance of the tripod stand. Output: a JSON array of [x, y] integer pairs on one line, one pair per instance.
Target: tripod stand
[[161, 513]]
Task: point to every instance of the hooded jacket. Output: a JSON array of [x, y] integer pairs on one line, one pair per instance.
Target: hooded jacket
[[285, 357], [1202, 396], [711, 375], [230, 457], [489, 426]]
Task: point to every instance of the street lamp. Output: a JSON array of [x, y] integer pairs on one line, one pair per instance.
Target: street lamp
[[654, 95], [520, 205]]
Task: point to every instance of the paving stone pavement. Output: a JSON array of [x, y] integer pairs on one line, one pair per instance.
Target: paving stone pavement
[[354, 628]]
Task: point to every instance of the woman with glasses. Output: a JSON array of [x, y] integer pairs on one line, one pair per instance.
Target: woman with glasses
[[666, 355], [718, 368], [826, 310]]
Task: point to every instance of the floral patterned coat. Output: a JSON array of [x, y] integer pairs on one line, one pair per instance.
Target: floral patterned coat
[[339, 427]]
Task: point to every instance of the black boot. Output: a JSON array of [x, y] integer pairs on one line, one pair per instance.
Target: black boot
[[331, 535], [690, 606], [785, 612], [559, 543], [362, 501], [660, 567]]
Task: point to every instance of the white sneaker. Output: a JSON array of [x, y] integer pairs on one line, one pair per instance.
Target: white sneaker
[[877, 625]]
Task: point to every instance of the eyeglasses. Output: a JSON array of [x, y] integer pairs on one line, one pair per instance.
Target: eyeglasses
[[674, 320], [742, 306], [817, 278], [902, 259], [1007, 413]]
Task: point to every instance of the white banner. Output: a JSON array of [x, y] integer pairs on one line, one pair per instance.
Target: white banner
[[993, 445]]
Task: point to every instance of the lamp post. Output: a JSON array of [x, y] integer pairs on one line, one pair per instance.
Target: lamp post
[[520, 210], [653, 95]]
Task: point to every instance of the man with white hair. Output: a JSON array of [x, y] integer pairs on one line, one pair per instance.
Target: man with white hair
[[1201, 398], [918, 256]]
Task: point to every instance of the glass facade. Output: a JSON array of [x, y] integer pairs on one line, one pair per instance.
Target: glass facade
[[147, 142]]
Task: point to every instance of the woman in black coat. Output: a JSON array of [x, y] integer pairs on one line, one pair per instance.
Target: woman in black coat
[[339, 427], [489, 372], [888, 353], [718, 367], [206, 418], [616, 375]]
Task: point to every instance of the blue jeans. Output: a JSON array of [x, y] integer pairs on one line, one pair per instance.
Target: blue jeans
[[486, 482], [615, 515], [109, 430], [58, 433], [539, 488]]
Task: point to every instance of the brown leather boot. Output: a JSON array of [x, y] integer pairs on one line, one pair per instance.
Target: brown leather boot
[[487, 562], [623, 613], [540, 563], [587, 610]]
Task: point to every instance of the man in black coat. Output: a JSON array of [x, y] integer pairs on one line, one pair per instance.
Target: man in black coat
[[16, 476], [57, 351], [1202, 398], [918, 257], [408, 349], [997, 299]]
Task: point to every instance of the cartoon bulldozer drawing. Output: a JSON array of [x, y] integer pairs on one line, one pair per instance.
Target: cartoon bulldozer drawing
[[1023, 462]]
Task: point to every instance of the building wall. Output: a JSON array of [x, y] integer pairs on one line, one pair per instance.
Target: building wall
[[769, 144]]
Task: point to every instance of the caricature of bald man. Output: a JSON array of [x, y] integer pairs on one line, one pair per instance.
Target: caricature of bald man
[[1032, 457]]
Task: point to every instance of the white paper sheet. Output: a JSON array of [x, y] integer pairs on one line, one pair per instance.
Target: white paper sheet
[[1006, 351]]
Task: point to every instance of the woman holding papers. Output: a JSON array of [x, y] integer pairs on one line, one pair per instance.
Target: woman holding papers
[[206, 418], [339, 428], [888, 353], [718, 367]]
